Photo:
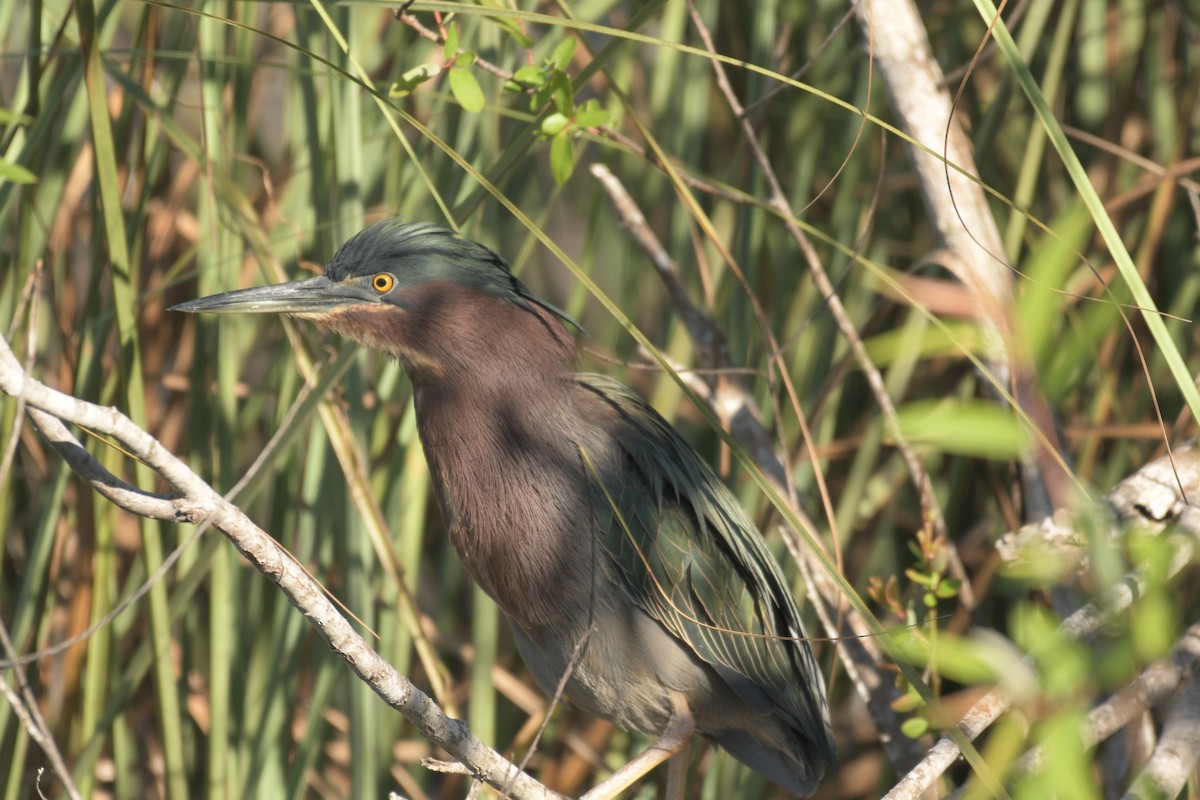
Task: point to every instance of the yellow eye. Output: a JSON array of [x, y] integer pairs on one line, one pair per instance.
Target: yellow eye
[[383, 283]]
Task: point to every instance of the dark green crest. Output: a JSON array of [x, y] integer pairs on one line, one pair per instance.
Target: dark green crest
[[420, 252]]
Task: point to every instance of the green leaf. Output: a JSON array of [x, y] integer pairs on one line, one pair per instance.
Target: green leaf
[[564, 101], [466, 90], [465, 59], [411, 79], [591, 114], [981, 658], [918, 577], [513, 29], [540, 97], [914, 727], [1041, 305], [1155, 624], [450, 49], [530, 76], [1035, 628], [10, 117], [554, 124], [509, 26], [949, 587], [966, 427], [562, 158], [15, 173], [564, 52], [949, 340], [1071, 772], [909, 701]]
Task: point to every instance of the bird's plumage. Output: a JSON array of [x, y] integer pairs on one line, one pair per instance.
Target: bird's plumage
[[620, 557], [695, 563]]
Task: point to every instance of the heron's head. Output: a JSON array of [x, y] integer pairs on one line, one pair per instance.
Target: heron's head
[[417, 292]]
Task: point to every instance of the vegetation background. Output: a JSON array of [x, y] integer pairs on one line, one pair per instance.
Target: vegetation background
[[156, 151]]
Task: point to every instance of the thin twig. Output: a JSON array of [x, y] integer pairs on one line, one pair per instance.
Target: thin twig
[[1153, 687], [916, 468], [1174, 758], [559, 693], [689, 179], [28, 300], [411, 21], [1152, 508], [24, 704], [816, 53]]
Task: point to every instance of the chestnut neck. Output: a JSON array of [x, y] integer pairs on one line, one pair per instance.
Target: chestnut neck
[[493, 386]]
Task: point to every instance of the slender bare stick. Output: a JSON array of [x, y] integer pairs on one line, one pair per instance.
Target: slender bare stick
[[1152, 503], [1153, 687], [959, 211], [778, 200], [24, 705], [1174, 758]]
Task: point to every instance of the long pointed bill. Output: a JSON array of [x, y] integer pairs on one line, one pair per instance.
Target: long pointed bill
[[309, 297]]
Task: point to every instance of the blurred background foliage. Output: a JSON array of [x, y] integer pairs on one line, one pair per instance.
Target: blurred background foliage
[[151, 152]]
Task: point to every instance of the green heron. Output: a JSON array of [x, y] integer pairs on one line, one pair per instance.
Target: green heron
[[620, 558]]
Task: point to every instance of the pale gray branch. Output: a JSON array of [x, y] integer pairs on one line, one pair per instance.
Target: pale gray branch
[[128, 497], [1174, 758], [196, 502], [945, 169], [1149, 690], [1153, 506]]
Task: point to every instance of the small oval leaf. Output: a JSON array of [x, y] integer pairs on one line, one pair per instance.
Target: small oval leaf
[[907, 702], [914, 727], [411, 79], [530, 75], [564, 52], [466, 90], [554, 124], [563, 96], [590, 115], [562, 158]]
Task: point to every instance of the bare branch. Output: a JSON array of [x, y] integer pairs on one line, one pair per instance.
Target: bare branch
[[411, 21], [198, 502], [916, 468], [1151, 689], [24, 704], [959, 210], [1178, 750], [1092, 616]]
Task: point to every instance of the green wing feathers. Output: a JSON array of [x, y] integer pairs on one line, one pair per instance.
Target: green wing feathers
[[695, 562]]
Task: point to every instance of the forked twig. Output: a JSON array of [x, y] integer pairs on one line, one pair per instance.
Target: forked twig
[[195, 501]]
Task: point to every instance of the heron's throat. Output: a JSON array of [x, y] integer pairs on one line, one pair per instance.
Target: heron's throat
[[449, 333]]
